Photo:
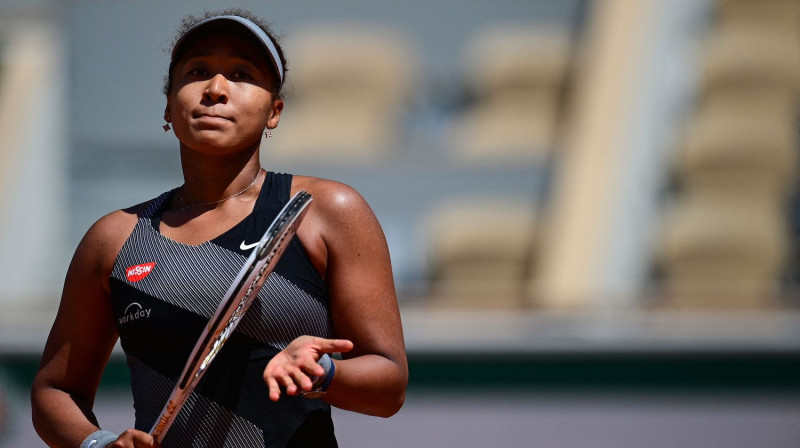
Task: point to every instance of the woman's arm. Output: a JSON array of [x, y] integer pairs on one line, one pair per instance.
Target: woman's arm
[[345, 241], [372, 379], [80, 341]]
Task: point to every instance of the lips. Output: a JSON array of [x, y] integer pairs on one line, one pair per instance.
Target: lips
[[211, 121], [212, 117]]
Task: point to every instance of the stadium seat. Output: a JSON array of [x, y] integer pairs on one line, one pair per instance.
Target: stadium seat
[[348, 87], [725, 240], [515, 76], [722, 250], [746, 54], [743, 140], [774, 13], [480, 252]]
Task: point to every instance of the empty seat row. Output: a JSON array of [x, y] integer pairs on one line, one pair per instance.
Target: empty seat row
[[353, 88], [725, 240]]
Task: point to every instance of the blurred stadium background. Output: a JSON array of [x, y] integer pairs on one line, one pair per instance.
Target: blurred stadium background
[[591, 204]]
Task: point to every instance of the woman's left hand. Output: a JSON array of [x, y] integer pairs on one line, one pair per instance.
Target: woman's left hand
[[294, 366]]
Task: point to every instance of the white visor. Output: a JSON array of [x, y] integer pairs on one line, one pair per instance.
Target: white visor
[[269, 45]]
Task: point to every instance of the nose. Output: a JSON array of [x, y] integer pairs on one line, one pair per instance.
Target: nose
[[216, 90]]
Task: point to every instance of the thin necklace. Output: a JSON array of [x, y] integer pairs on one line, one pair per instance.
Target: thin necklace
[[184, 207]]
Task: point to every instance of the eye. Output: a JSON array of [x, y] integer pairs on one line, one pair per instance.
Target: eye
[[240, 74], [198, 71]]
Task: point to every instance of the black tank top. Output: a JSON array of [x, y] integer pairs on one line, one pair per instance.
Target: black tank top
[[163, 292]]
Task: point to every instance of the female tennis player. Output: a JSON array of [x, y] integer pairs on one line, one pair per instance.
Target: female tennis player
[[153, 274]]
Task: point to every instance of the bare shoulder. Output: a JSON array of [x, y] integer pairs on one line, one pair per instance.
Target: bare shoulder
[[339, 222], [105, 238], [334, 199], [115, 226]]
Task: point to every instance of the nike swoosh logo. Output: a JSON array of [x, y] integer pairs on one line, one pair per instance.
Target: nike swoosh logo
[[244, 246]]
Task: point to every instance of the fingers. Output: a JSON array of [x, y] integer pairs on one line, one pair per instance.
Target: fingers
[[294, 368], [274, 388], [275, 383], [135, 439], [291, 378], [333, 345], [313, 368], [281, 375], [286, 381], [301, 379]]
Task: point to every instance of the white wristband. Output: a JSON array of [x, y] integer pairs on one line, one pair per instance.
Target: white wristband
[[99, 439]]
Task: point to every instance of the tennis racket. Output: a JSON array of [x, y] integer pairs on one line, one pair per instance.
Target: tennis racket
[[235, 303]]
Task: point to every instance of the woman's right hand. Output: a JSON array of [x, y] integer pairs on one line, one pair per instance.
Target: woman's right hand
[[133, 438]]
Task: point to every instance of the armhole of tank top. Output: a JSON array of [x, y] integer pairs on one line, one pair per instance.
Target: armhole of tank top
[[144, 218], [121, 249], [155, 208], [278, 189], [286, 192], [309, 265], [283, 182]]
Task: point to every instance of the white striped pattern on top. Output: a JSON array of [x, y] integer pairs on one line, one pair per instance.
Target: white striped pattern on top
[[201, 422], [195, 278]]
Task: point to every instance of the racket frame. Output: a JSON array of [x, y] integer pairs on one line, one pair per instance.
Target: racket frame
[[237, 300]]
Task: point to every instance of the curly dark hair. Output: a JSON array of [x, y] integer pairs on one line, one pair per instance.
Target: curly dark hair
[[191, 20]]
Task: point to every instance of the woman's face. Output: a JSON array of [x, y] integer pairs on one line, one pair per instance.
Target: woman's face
[[220, 102]]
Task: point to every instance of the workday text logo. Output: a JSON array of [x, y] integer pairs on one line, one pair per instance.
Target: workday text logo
[[134, 311]]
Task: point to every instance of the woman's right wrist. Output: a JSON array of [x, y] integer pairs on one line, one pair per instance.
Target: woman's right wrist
[[99, 439]]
